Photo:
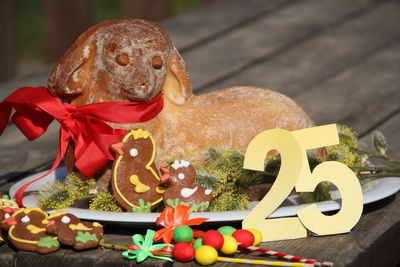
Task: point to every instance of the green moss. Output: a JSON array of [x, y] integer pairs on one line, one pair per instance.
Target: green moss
[[321, 193], [347, 136], [230, 200], [54, 196], [105, 202], [78, 186], [343, 153]]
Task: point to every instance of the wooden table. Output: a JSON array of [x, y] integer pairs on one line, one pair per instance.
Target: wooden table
[[340, 60]]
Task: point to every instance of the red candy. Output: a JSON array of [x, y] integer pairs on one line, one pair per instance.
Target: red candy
[[183, 252], [244, 237], [214, 239]]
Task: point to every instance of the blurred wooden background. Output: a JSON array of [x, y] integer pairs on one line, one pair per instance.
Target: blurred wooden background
[[49, 27]]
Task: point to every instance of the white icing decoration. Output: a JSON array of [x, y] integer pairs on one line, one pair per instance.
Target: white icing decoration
[[133, 152], [180, 164], [181, 176], [207, 191], [65, 219], [187, 192], [25, 219], [6, 216]]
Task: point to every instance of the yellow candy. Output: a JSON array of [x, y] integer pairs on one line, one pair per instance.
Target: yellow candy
[[230, 245], [206, 255], [257, 236]]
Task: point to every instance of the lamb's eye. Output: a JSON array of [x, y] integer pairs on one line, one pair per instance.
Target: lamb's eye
[[181, 176], [157, 62], [122, 59], [133, 152]]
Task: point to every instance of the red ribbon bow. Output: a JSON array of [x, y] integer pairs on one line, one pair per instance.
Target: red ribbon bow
[[35, 109]]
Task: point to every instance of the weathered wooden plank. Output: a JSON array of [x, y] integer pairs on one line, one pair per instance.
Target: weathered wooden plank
[[25, 258], [153, 10], [269, 34], [7, 39], [18, 155], [7, 255], [390, 129], [211, 20], [60, 31], [321, 57], [360, 247], [360, 96], [36, 78], [185, 30]]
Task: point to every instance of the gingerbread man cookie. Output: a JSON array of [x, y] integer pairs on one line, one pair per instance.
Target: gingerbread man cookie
[[29, 231], [135, 178], [181, 188], [73, 232]]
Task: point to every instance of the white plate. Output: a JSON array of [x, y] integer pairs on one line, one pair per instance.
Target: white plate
[[372, 191]]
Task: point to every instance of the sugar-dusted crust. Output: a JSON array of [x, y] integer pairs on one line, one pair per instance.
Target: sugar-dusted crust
[[229, 117], [89, 72]]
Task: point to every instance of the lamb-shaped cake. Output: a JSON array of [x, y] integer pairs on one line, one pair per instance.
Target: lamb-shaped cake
[[135, 60]]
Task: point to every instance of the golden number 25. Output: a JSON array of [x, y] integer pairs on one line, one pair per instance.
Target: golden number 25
[[295, 173]]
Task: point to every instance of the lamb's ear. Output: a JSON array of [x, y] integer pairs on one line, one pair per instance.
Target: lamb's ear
[[65, 79], [177, 87]]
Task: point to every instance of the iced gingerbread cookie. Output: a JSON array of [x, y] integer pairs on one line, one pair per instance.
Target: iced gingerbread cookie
[[181, 188], [135, 178], [7, 209], [29, 232], [73, 232]]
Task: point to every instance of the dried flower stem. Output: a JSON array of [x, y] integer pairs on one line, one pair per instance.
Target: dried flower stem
[[373, 155], [378, 175]]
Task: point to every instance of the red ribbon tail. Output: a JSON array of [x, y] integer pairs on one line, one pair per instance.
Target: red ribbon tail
[[5, 111], [62, 147]]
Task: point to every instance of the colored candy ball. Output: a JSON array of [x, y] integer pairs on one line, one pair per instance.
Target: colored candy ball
[[257, 236], [183, 233], [230, 245], [197, 243], [213, 238], [244, 237], [206, 255], [226, 230], [183, 251]]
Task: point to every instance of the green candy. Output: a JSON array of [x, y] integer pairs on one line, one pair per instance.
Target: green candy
[[226, 230], [197, 243], [183, 233]]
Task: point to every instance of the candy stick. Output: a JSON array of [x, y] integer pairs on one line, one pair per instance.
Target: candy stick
[[289, 257], [264, 262]]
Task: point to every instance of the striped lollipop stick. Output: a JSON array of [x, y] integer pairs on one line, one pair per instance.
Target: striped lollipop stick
[[289, 257], [264, 262]]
